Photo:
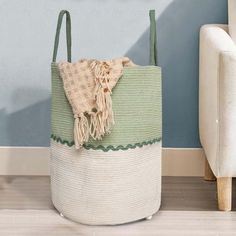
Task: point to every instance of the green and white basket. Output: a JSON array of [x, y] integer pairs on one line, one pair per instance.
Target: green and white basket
[[116, 180]]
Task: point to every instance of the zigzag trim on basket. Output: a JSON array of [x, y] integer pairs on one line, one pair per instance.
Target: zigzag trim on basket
[[108, 148], [59, 140]]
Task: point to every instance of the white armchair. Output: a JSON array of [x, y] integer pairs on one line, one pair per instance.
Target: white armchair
[[217, 104]]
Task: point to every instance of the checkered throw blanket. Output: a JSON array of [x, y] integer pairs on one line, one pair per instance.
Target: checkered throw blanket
[[88, 86]]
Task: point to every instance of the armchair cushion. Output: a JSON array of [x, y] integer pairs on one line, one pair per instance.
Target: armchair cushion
[[232, 19]]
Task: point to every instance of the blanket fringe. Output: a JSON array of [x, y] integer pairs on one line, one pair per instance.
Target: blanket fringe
[[104, 103], [81, 130], [95, 127]]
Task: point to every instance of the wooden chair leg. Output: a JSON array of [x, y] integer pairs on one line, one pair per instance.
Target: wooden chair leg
[[224, 191], [209, 176]]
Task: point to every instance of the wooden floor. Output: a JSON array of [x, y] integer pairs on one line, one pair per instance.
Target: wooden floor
[[189, 207]]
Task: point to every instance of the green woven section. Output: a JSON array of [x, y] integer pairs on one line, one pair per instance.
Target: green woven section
[[62, 120], [108, 148], [136, 105]]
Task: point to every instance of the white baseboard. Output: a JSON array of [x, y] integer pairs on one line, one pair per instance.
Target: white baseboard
[[24, 160], [183, 162], [35, 161]]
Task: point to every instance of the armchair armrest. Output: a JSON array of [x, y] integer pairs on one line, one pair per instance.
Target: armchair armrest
[[217, 98], [227, 114]]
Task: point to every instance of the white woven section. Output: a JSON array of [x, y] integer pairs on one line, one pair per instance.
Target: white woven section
[[105, 188]]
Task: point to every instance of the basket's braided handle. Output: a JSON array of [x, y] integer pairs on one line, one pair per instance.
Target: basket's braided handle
[[68, 35], [153, 39], [153, 36]]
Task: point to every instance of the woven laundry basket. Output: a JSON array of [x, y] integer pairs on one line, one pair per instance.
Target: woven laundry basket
[[118, 179]]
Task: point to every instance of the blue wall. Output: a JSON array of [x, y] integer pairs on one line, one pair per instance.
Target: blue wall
[[101, 29]]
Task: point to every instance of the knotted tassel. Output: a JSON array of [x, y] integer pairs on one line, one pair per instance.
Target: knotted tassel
[[95, 131], [104, 103], [81, 130], [100, 98], [104, 119], [109, 113]]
